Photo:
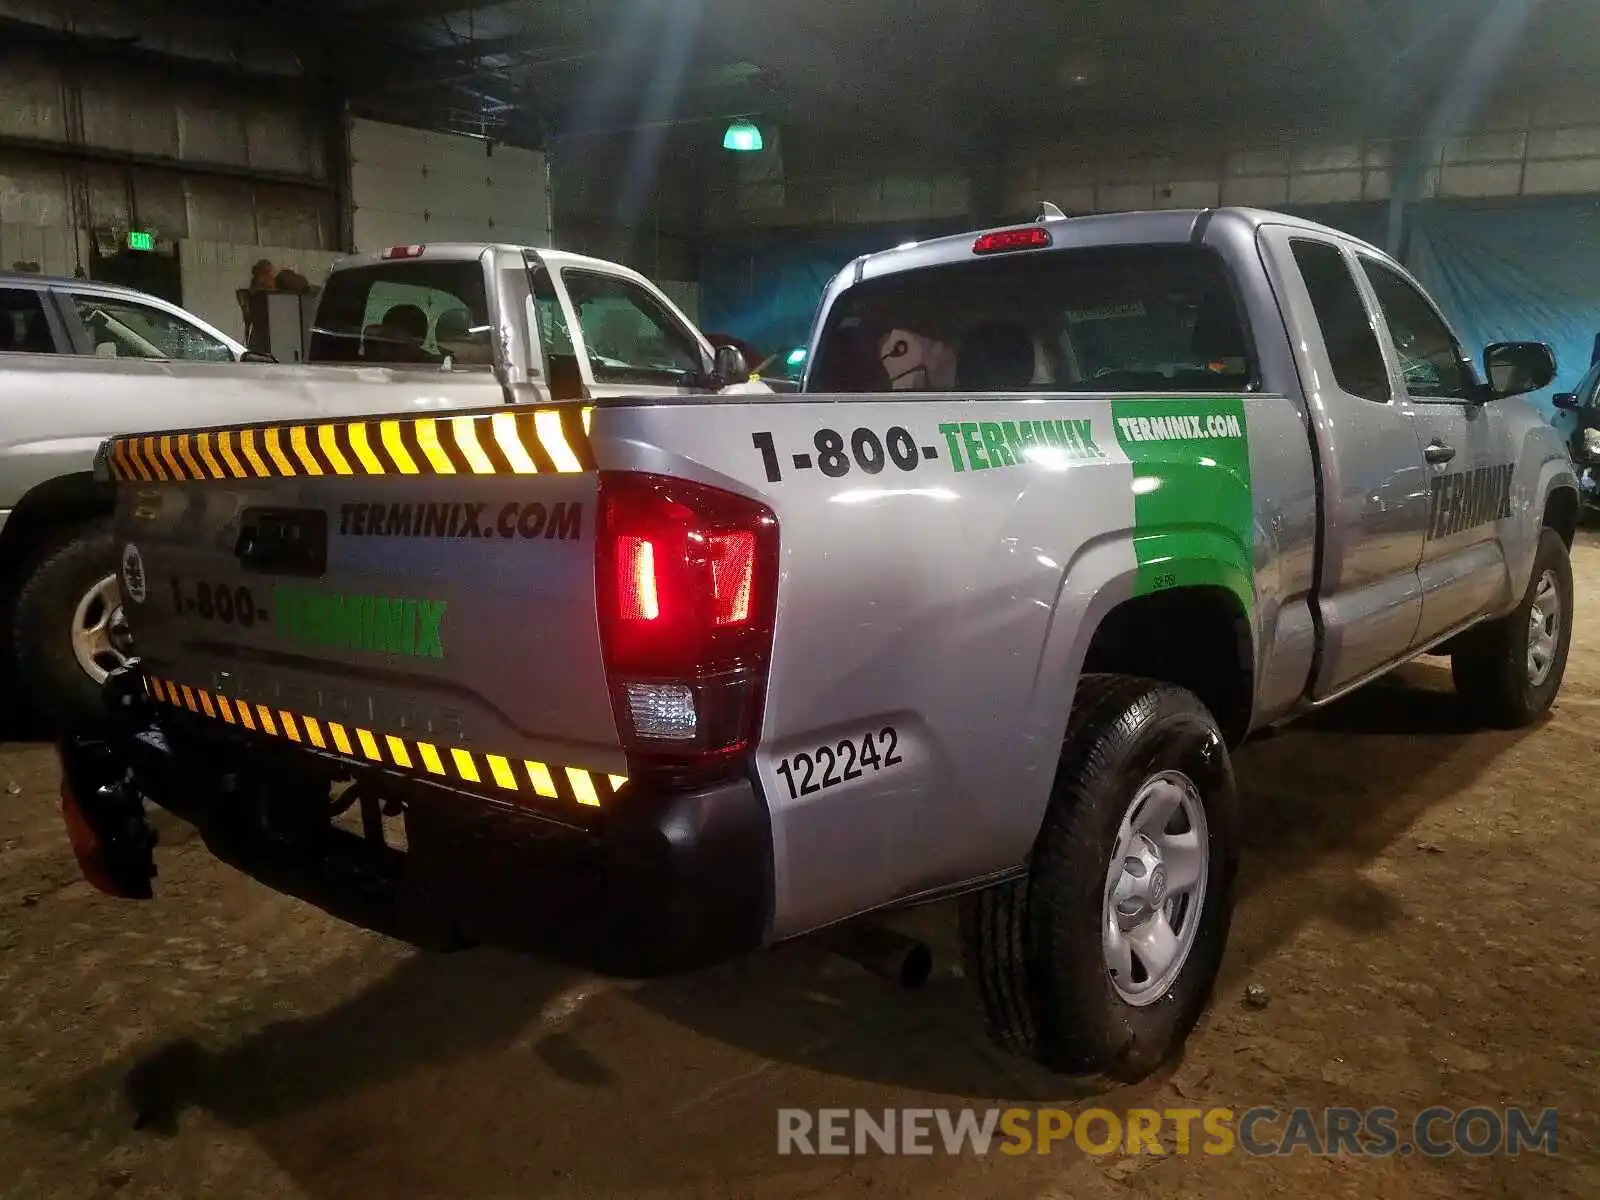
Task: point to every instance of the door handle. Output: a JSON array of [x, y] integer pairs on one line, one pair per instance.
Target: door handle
[[1438, 452]]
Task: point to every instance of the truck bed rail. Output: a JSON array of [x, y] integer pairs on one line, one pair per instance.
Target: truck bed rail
[[508, 441]]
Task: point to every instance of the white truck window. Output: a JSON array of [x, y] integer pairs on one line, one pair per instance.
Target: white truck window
[[555, 339], [23, 326], [1352, 346], [1107, 319], [629, 336], [405, 312], [1430, 360], [120, 328]]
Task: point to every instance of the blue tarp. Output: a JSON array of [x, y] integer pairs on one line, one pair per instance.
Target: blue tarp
[[764, 286], [1520, 272]]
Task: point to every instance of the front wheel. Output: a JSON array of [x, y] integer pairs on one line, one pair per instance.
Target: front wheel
[[1508, 671], [1102, 959]]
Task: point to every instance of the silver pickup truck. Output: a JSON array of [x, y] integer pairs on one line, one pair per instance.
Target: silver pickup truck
[[1062, 514], [82, 361]]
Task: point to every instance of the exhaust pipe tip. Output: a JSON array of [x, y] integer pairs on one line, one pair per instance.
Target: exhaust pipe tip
[[916, 967], [888, 953]]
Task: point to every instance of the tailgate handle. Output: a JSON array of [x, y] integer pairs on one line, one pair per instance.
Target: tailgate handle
[[284, 541]]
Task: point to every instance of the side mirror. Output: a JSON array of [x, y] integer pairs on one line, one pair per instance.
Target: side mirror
[[1566, 400], [1515, 368], [256, 356], [728, 366]]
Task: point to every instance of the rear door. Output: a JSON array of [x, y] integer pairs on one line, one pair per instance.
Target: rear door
[[1374, 489], [1465, 444]]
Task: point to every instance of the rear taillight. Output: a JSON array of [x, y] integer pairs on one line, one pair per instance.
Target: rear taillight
[[687, 582]]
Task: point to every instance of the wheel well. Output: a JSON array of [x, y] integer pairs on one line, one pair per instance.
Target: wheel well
[[53, 504], [1561, 513], [1195, 637]]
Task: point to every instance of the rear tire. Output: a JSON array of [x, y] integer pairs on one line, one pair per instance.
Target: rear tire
[[1507, 672], [1041, 949], [65, 586]]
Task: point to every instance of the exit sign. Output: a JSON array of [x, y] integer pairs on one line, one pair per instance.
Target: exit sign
[[139, 239]]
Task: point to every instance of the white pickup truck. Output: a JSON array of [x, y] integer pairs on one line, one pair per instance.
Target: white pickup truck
[[82, 361], [1060, 515]]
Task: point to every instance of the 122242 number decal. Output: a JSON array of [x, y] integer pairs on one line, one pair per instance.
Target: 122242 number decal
[[807, 773]]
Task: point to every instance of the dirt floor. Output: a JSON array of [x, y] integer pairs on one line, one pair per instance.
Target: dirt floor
[[1420, 903]]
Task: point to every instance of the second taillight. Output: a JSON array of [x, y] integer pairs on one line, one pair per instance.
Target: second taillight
[[686, 577]]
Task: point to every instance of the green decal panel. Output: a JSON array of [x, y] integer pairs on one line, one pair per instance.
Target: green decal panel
[[982, 445], [399, 625], [1194, 518]]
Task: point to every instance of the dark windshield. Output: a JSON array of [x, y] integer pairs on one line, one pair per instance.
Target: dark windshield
[[406, 312], [1106, 319]]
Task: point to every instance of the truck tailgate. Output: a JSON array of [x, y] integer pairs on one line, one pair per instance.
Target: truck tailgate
[[415, 592]]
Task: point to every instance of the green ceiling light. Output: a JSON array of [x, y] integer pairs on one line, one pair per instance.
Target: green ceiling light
[[742, 137]]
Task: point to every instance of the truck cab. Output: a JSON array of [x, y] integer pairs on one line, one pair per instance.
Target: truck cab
[[553, 325]]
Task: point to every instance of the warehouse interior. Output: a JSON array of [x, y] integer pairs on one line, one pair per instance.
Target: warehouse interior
[[1416, 921], [1459, 136]]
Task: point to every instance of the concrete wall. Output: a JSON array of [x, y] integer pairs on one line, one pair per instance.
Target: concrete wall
[[218, 173]]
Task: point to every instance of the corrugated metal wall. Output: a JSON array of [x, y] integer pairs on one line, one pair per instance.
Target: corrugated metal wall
[[1513, 150], [221, 175]]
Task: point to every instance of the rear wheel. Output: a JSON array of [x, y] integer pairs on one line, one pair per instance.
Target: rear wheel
[[67, 623], [1508, 671], [1103, 958]]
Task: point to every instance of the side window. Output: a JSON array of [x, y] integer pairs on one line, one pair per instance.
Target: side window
[[630, 337], [1430, 361], [121, 328], [1353, 349], [23, 326]]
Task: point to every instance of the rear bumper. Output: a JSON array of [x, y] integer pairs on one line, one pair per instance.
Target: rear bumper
[[662, 879]]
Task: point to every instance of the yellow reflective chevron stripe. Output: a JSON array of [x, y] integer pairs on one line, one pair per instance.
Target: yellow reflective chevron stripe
[[505, 775], [512, 441]]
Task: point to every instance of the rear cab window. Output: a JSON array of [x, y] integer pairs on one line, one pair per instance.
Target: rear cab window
[[1145, 319], [405, 313]]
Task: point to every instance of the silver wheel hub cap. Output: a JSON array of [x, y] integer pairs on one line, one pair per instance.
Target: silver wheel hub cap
[[1155, 888], [99, 634], [1544, 629]]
